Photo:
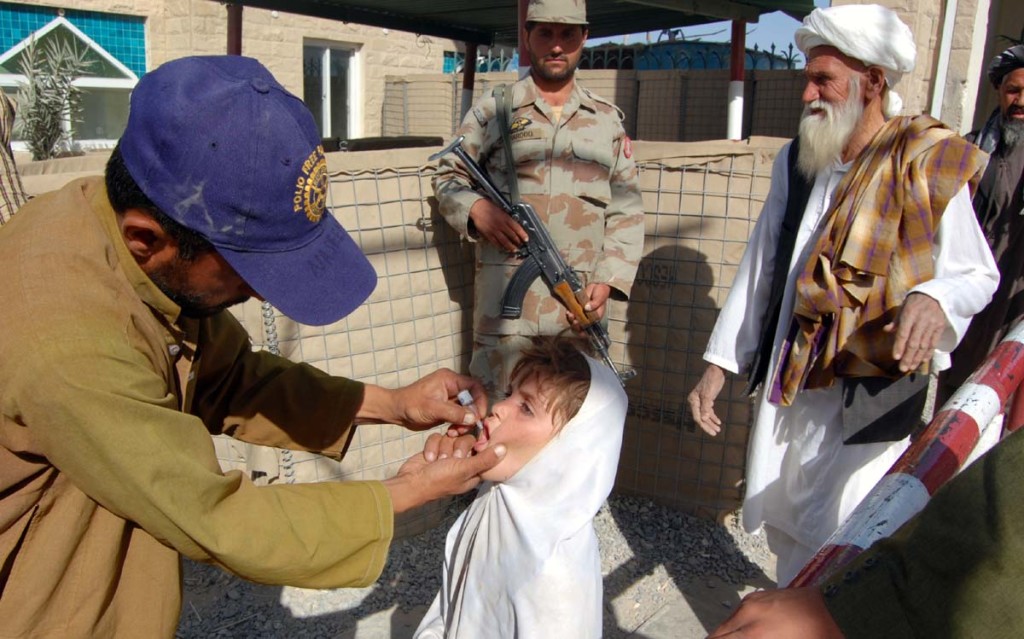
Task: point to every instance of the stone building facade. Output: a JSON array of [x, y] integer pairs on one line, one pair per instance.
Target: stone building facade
[[359, 56], [956, 55]]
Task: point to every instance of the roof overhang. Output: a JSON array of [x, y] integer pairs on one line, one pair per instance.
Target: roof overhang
[[495, 21]]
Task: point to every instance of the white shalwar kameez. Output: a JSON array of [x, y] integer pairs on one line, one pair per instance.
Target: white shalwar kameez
[[523, 560], [801, 480]]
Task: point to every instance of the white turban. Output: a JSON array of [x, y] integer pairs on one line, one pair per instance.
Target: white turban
[[867, 32]]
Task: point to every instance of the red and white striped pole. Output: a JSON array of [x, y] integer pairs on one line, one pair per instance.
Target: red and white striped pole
[[931, 460]]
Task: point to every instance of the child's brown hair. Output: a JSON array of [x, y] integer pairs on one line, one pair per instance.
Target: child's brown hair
[[557, 364]]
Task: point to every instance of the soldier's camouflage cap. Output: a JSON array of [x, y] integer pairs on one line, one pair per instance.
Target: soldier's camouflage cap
[[560, 11]]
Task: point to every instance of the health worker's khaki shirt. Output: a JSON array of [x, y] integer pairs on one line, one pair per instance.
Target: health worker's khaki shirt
[[107, 470]]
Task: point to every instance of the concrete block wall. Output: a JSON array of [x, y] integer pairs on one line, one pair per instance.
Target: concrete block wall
[[424, 104], [772, 102], [704, 103], [960, 93], [666, 105]]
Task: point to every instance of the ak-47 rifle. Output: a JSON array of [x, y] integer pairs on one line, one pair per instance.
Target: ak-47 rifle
[[540, 258]]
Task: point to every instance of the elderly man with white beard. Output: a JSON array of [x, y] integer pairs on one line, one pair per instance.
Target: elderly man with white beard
[[861, 275]]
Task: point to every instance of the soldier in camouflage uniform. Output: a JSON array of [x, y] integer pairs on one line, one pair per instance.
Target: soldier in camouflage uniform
[[574, 166]]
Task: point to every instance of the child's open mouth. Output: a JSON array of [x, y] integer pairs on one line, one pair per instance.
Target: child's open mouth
[[482, 438]]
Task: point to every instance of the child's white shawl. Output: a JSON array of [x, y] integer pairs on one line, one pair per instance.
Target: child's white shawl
[[522, 561]]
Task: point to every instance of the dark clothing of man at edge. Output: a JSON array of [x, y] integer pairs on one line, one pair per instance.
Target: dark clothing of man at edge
[[999, 204]]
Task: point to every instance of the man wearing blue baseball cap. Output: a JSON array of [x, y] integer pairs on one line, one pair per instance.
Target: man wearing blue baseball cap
[[117, 361]]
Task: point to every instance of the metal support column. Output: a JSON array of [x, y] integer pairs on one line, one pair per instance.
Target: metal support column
[[468, 79], [234, 29], [524, 55], [737, 63]]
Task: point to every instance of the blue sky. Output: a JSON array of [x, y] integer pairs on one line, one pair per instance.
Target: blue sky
[[773, 28]]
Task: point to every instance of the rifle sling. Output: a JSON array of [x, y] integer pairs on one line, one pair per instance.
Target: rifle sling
[[503, 103]]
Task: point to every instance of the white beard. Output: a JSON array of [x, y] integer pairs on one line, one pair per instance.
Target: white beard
[[824, 136]]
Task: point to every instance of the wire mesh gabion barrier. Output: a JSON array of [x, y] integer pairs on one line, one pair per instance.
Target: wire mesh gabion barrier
[[701, 201]]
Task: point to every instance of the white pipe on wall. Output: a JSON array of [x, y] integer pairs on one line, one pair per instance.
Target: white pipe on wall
[[734, 126], [975, 68], [942, 66]]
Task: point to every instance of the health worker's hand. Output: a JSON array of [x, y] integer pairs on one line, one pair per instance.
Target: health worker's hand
[[419, 481], [455, 442], [425, 403]]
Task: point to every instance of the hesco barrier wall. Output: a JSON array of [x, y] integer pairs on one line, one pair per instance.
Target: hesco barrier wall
[[672, 105], [701, 201]]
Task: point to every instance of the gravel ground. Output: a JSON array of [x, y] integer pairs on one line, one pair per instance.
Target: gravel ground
[[651, 556]]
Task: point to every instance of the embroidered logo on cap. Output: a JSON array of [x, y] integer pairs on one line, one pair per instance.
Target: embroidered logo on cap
[[311, 187]]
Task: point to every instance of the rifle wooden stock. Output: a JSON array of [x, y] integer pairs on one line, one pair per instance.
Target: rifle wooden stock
[[575, 302]]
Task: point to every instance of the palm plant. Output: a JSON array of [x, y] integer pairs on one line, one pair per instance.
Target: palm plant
[[48, 102]]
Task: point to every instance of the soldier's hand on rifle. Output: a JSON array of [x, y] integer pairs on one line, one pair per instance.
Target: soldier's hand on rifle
[[598, 294], [496, 226]]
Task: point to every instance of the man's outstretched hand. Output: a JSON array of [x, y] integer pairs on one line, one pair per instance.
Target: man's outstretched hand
[[702, 399], [918, 327]]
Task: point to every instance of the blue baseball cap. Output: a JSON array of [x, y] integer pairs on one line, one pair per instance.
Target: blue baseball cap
[[222, 148]]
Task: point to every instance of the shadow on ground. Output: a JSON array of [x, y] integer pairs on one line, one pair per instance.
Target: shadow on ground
[[667, 575], [677, 575]]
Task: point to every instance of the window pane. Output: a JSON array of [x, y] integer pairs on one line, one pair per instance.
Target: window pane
[[312, 83], [104, 114], [339, 92]]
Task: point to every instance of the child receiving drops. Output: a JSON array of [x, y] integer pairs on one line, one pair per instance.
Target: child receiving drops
[[522, 560]]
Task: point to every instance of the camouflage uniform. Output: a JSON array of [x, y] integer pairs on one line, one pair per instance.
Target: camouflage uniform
[[580, 177]]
